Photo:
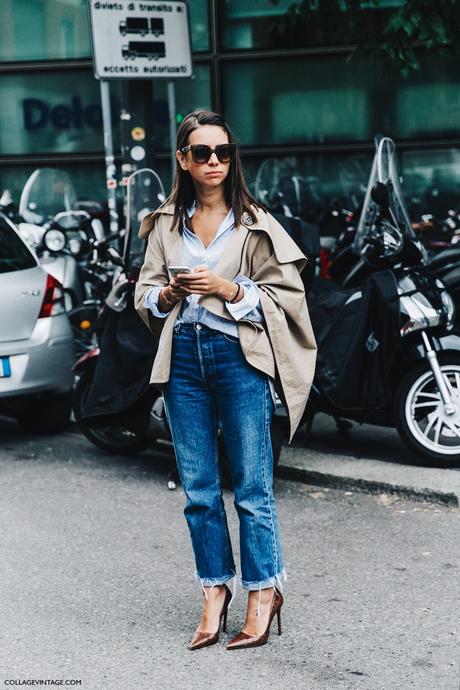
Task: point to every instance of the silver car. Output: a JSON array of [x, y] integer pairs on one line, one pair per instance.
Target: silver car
[[36, 340]]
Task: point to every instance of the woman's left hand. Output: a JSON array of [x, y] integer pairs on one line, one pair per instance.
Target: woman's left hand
[[204, 282]]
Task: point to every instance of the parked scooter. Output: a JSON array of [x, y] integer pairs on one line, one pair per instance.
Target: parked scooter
[[387, 354], [114, 405]]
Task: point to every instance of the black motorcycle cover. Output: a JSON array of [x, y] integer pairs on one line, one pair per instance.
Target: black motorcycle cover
[[306, 236], [123, 367], [356, 330]]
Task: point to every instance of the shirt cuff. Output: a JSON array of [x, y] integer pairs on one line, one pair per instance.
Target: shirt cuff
[[249, 306], [151, 301]]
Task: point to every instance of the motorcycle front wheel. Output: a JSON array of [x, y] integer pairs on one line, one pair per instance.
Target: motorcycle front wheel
[[115, 437], [420, 417]]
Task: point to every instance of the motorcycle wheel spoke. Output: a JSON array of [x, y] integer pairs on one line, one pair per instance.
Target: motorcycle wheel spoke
[[457, 380], [429, 426], [429, 395], [438, 431], [453, 427], [426, 404], [448, 383]]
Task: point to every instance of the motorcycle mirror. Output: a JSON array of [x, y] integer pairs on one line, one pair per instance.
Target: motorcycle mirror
[[380, 195], [115, 257]]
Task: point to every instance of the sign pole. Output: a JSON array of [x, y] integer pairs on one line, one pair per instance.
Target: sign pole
[[172, 125], [111, 171]]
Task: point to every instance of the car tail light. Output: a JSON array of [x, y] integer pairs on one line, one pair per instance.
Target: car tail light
[[53, 301]]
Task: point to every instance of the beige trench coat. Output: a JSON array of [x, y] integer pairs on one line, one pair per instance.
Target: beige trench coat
[[284, 347]]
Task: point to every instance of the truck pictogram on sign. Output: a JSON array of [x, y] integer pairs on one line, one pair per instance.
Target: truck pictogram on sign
[[142, 26], [151, 50]]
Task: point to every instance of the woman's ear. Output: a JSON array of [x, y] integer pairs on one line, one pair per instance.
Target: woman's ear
[[182, 160]]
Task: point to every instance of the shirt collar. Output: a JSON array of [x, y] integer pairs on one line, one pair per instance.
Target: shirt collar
[[226, 224]]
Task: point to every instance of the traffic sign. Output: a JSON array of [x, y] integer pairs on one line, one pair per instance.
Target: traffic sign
[[140, 40]]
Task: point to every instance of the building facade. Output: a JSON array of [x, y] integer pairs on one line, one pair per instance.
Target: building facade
[[297, 105]]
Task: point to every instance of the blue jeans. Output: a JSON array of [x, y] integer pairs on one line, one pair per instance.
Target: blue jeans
[[211, 385]]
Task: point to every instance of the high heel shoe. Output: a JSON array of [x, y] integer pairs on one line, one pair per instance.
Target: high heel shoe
[[205, 639], [244, 640]]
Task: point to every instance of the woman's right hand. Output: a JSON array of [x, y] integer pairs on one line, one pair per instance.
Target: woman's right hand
[[171, 294], [178, 290]]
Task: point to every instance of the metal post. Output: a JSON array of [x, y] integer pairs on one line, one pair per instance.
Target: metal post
[[111, 171], [172, 126]]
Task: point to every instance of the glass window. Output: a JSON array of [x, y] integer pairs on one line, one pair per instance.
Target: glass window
[[246, 24], [50, 112], [88, 179], [59, 29], [327, 99], [199, 25], [14, 255], [44, 29], [310, 184], [307, 184], [432, 180], [250, 23], [429, 102], [191, 94]]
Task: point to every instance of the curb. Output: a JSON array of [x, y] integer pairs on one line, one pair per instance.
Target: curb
[[306, 476], [364, 474]]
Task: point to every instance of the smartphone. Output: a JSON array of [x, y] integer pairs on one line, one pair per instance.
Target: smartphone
[[174, 270]]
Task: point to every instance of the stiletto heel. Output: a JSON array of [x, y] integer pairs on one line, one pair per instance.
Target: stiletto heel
[[243, 640], [205, 639]]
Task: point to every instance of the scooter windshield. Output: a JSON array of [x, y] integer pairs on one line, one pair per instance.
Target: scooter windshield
[[145, 194], [48, 191], [384, 170]]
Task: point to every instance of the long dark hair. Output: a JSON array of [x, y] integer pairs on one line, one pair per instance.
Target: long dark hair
[[237, 195]]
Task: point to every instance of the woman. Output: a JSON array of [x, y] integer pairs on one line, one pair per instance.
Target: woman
[[229, 329]]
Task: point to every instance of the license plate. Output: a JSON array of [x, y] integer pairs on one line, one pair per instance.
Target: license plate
[[5, 369]]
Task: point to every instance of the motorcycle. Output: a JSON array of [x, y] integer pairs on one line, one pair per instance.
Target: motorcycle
[[114, 405], [387, 352], [60, 234]]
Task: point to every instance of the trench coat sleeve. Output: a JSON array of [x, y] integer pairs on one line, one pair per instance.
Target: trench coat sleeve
[[282, 297], [153, 272]]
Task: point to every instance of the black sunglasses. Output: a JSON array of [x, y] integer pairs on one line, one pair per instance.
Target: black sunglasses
[[201, 153]]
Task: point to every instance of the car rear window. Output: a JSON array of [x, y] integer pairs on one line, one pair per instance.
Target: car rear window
[[14, 255]]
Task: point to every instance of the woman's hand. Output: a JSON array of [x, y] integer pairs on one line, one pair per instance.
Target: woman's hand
[[204, 282], [177, 289], [171, 294]]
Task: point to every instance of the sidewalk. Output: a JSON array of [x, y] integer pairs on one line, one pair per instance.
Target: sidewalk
[[370, 461]]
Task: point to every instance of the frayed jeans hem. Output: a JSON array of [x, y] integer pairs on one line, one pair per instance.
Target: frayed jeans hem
[[264, 584], [214, 581]]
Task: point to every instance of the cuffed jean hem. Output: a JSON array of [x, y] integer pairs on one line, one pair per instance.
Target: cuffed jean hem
[[264, 584], [215, 582]]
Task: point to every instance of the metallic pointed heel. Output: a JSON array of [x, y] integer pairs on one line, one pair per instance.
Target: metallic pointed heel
[[243, 640], [206, 639]]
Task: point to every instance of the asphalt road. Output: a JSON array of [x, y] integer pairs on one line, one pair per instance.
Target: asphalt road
[[96, 581]]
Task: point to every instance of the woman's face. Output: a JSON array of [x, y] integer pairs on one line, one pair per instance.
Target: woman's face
[[212, 173]]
